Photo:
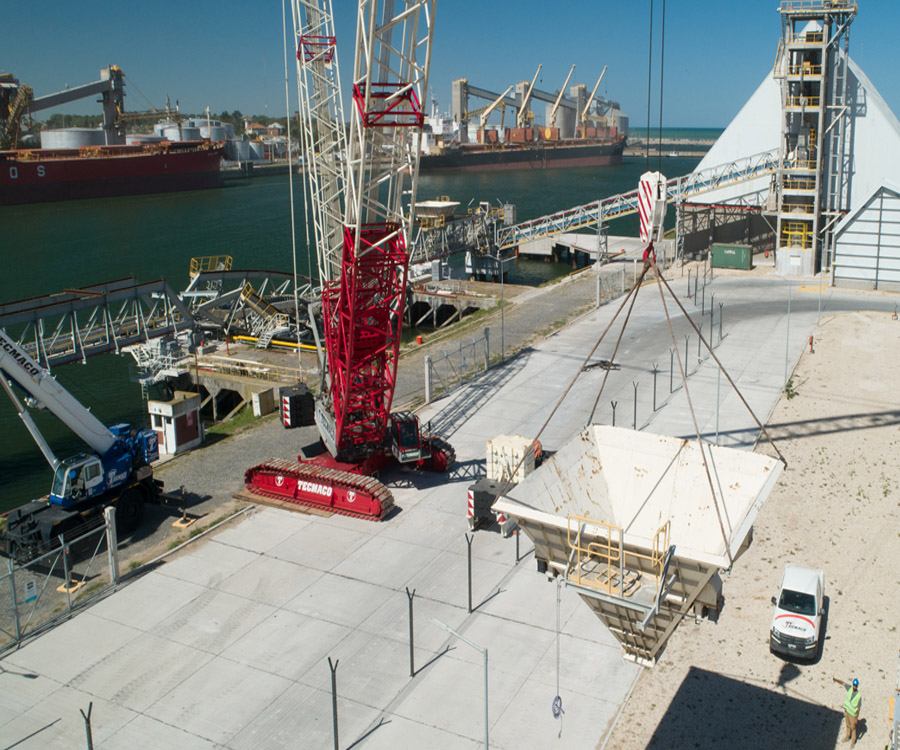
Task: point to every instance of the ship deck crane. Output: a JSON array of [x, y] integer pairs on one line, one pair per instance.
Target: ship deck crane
[[562, 91], [487, 110], [118, 472], [522, 114], [364, 277], [587, 107]]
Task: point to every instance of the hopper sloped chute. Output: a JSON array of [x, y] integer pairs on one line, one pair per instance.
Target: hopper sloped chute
[[630, 521]]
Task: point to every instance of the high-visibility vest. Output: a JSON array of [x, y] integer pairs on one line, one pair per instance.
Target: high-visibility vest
[[851, 702]]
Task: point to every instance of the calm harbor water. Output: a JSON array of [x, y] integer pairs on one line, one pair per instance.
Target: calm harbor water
[[54, 246]]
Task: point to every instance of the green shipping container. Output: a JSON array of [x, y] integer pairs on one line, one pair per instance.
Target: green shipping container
[[731, 256]]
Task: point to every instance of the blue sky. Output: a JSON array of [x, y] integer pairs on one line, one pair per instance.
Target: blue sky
[[229, 55]]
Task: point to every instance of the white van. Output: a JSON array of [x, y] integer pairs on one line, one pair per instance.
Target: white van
[[797, 622]]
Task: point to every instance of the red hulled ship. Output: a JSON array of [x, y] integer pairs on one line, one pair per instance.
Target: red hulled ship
[[38, 175]]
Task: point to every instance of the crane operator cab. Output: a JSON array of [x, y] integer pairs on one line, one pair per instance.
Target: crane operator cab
[[406, 442], [76, 479]]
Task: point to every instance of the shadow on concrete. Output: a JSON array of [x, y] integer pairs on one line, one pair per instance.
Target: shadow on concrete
[[433, 659], [806, 428], [717, 712], [467, 399], [381, 722]]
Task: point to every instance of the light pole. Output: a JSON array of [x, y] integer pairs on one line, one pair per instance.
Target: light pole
[[483, 651]]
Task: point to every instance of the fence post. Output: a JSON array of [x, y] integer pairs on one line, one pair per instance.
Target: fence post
[[721, 305], [65, 554], [15, 605], [87, 725], [469, 545], [333, 668], [412, 668], [428, 386], [487, 348], [112, 544], [635, 384], [671, 367], [613, 404], [655, 370]]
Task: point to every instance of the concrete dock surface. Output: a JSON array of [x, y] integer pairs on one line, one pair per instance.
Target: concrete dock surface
[[226, 644]]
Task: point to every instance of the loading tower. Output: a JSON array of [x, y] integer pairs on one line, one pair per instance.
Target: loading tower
[[814, 179]]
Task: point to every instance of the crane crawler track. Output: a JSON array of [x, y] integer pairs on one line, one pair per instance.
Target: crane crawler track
[[343, 492]]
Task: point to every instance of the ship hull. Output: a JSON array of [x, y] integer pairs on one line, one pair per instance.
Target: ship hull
[[42, 175], [515, 156]]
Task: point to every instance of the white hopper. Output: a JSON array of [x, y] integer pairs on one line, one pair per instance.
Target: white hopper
[[617, 512]]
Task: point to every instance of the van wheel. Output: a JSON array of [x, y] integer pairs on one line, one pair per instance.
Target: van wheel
[[129, 511]]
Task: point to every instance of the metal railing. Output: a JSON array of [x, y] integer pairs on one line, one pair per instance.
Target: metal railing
[[211, 263], [600, 563], [617, 206], [247, 368]]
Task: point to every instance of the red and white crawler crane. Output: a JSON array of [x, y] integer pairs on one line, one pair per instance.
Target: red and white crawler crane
[[357, 189]]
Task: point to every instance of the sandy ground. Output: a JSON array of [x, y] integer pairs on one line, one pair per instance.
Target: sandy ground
[[837, 507]]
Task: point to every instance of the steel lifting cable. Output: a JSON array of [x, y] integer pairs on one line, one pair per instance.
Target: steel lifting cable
[[687, 394], [662, 66], [722, 368], [631, 292], [290, 159], [557, 701], [612, 358], [649, 85]]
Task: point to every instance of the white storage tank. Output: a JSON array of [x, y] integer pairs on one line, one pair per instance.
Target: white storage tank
[[190, 133], [237, 150], [215, 132], [257, 150], [72, 138]]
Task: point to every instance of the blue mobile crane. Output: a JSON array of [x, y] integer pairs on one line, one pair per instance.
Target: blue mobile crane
[[118, 472]]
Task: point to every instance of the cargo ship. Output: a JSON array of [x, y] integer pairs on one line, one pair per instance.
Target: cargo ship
[[39, 175], [575, 152], [96, 162]]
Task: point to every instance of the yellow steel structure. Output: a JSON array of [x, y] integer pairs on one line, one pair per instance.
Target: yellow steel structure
[[211, 263], [603, 564]]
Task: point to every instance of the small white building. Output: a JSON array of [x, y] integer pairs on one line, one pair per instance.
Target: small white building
[[177, 422]]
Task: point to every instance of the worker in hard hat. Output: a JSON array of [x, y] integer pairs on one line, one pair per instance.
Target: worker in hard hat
[[852, 706]]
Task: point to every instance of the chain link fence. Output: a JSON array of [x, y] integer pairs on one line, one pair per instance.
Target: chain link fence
[[453, 368], [36, 594]]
